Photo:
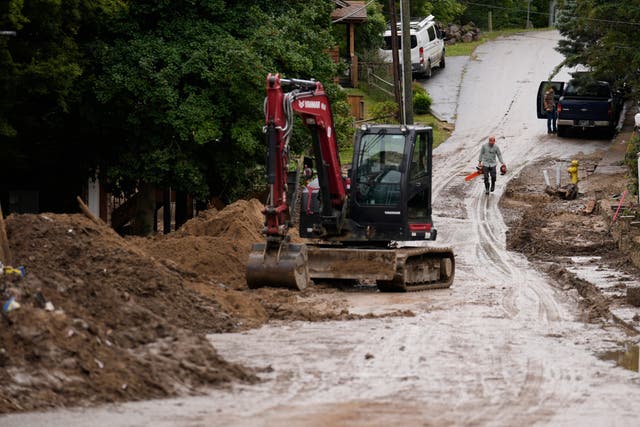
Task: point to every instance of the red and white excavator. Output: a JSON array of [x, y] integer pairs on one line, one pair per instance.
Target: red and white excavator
[[374, 224]]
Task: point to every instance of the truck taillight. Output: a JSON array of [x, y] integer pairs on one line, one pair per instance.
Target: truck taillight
[[421, 55], [559, 108], [419, 227]]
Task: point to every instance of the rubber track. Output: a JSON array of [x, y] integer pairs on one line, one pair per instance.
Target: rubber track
[[399, 286]]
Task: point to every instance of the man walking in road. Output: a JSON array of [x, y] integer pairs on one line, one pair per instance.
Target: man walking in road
[[487, 160]]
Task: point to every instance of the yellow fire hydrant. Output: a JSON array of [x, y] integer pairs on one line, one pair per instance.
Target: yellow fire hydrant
[[573, 171]]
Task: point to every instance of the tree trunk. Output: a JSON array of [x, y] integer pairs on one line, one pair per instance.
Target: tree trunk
[[5, 252], [182, 208], [166, 210], [145, 208]]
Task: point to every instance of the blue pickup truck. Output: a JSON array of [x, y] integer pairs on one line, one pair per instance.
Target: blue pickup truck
[[583, 104]]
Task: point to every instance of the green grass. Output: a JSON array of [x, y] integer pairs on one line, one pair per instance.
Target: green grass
[[441, 131], [466, 49]]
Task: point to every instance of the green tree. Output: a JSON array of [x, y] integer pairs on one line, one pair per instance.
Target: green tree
[[41, 72], [445, 11], [602, 35], [507, 13], [153, 93], [369, 34], [182, 85]]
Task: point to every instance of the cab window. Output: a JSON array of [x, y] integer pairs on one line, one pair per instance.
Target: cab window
[[419, 180], [378, 174]]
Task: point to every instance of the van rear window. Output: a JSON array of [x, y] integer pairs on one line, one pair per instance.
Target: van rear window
[[387, 42]]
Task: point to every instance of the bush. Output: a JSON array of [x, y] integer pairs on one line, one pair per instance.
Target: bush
[[386, 112], [417, 89], [421, 103]]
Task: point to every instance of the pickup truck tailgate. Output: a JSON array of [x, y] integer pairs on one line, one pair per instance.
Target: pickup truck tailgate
[[595, 110]]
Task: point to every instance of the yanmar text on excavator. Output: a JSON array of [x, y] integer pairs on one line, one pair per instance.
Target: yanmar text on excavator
[[375, 224]]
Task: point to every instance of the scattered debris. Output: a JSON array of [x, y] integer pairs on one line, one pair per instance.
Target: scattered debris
[[10, 305], [566, 192], [590, 207]]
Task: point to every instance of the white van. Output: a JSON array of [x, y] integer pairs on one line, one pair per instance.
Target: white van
[[427, 46]]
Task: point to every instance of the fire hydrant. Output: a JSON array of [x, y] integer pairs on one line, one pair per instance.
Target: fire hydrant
[[573, 171]]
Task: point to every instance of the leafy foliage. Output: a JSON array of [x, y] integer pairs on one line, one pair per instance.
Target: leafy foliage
[[385, 111], [603, 36], [421, 100], [445, 11], [154, 92], [43, 74], [507, 13], [631, 156], [187, 83]]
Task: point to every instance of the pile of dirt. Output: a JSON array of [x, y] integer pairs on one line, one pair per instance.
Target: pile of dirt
[[104, 319], [100, 320], [544, 227], [214, 244], [214, 248]]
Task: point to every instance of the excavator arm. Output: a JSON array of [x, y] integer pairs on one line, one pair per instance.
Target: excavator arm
[[308, 100], [278, 261]]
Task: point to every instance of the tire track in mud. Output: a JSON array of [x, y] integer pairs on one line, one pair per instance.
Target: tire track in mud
[[523, 298]]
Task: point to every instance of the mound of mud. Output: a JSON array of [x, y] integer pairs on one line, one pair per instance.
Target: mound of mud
[[214, 244], [107, 319], [544, 227], [119, 324]]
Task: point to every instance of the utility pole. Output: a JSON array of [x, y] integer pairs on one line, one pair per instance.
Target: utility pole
[[552, 13], [528, 11], [406, 62], [396, 62]]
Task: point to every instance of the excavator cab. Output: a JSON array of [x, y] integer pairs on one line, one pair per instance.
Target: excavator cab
[[390, 188], [391, 183]]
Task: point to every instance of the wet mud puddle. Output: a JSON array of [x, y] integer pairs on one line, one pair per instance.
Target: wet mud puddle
[[628, 357], [612, 284]]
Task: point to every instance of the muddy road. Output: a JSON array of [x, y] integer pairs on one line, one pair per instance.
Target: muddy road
[[504, 346]]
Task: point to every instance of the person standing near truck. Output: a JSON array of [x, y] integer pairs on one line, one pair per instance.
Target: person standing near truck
[[487, 160], [550, 108]]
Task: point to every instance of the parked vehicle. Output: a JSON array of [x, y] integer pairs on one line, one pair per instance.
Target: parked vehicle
[[583, 103], [427, 46]]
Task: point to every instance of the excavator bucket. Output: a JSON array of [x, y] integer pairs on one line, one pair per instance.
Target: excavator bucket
[[281, 265]]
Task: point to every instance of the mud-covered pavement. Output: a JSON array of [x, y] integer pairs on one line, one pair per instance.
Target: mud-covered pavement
[[508, 344]]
